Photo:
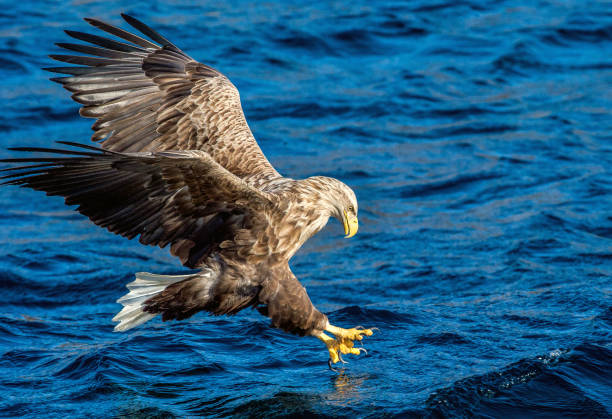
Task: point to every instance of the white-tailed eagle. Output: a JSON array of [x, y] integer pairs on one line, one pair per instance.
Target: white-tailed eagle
[[178, 166]]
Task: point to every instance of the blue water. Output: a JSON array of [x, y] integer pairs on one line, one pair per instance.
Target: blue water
[[477, 137]]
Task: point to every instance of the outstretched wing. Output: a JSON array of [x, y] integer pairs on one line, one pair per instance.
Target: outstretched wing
[[183, 198], [151, 96]]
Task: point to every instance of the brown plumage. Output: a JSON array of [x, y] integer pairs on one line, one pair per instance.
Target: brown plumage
[[179, 166]]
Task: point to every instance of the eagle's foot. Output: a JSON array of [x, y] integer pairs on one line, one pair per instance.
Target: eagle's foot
[[356, 333], [344, 342]]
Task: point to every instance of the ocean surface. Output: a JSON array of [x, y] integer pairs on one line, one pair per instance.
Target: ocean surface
[[478, 138]]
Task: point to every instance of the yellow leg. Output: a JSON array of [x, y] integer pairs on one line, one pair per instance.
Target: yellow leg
[[344, 342]]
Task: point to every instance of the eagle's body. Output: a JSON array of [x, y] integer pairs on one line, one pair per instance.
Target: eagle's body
[[179, 166]]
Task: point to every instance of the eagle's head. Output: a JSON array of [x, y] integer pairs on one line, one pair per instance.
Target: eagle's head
[[340, 202], [346, 210]]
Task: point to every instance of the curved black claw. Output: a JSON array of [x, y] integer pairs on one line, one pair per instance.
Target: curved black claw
[[329, 363]]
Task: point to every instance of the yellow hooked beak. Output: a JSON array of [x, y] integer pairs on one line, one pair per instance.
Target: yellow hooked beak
[[351, 225]]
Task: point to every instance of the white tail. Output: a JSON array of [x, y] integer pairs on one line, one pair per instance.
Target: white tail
[[145, 286]]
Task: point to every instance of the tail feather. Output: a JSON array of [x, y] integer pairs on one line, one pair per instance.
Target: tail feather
[[145, 286]]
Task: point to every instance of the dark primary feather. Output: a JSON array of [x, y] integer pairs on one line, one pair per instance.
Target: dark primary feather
[[182, 198], [113, 30], [151, 96], [105, 43], [135, 23]]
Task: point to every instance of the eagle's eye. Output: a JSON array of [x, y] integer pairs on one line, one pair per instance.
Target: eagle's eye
[[351, 208]]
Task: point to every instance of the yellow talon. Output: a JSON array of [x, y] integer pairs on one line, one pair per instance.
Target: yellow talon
[[355, 333], [344, 342]]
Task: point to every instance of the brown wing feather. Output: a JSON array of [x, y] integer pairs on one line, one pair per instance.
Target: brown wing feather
[[150, 97], [183, 198]]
